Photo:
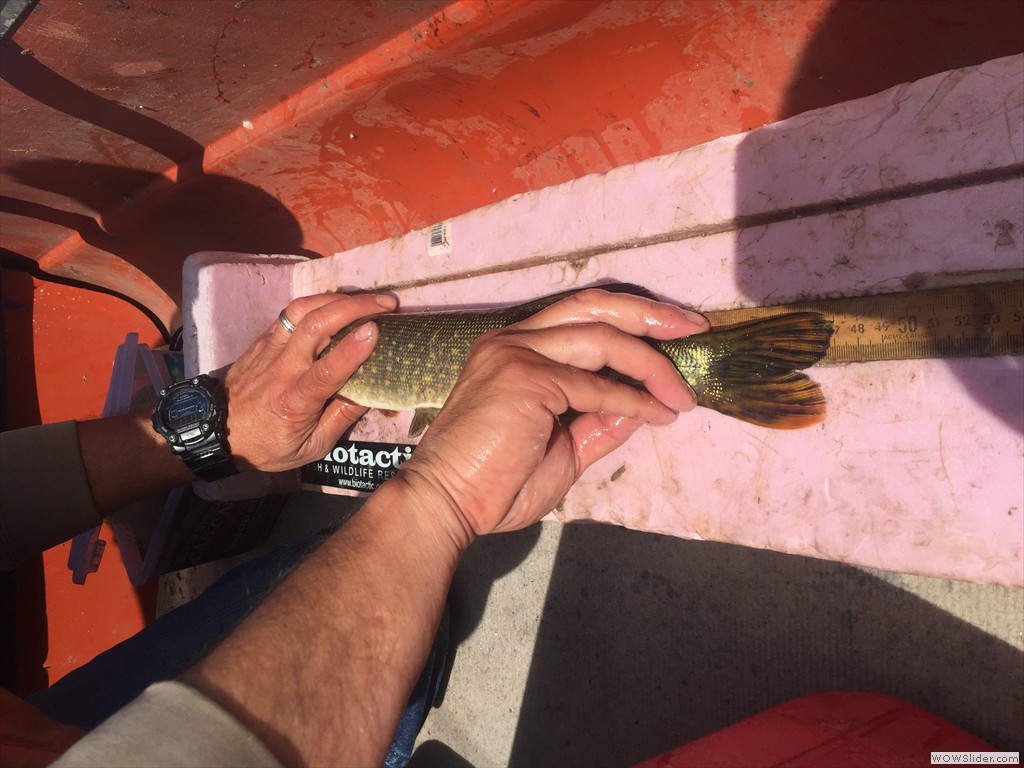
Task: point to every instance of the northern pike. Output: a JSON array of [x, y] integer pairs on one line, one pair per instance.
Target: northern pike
[[749, 371]]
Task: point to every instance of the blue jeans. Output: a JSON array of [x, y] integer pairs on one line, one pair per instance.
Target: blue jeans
[[177, 640]]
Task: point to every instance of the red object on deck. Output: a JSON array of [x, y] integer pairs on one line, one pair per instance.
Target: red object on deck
[[826, 730]]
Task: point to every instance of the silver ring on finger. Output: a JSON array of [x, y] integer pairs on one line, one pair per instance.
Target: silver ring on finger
[[287, 324]]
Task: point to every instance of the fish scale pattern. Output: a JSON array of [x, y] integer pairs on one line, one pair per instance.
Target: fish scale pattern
[[749, 371], [418, 358]]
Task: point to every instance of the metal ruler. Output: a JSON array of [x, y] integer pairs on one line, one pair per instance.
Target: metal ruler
[[954, 321]]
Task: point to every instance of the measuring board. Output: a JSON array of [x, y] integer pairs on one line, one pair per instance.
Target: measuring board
[[954, 321], [917, 466]]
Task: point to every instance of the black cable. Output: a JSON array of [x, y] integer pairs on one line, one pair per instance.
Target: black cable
[[11, 260]]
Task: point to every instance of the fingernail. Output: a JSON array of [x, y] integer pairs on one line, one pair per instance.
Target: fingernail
[[693, 395], [388, 302], [695, 317], [679, 400], [364, 332]]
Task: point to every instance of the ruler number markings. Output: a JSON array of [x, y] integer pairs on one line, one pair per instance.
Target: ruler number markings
[[957, 321]]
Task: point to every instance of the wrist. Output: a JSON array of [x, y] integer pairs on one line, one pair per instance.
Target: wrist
[[104, 445], [429, 502]]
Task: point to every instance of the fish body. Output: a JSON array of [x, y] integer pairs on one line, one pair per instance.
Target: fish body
[[749, 371]]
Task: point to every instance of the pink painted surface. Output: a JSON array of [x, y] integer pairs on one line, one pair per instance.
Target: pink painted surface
[[918, 467]]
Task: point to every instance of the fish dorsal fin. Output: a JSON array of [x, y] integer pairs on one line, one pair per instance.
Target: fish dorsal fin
[[421, 420]]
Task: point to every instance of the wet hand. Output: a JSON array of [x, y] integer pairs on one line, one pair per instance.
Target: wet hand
[[497, 458], [281, 410]]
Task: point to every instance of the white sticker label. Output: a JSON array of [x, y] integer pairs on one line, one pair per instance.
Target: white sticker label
[[440, 238]]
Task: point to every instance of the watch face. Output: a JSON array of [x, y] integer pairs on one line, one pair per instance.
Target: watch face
[[184, 411]]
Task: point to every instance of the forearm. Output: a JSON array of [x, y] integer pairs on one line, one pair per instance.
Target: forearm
[[61, 479], [44, 497], [323, 670], [125, 460]]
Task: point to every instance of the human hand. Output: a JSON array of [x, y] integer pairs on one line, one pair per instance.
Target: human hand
[[497, 458], [281, 409]]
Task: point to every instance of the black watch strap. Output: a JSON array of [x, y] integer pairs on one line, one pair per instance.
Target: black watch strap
[[215, 465]]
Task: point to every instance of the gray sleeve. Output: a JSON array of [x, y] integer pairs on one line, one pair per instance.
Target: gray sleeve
[[44, 492], [170, 724]]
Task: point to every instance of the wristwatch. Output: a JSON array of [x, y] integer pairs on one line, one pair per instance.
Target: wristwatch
[[192, 418]]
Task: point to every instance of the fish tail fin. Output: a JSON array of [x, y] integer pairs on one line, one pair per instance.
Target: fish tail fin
[[758, 379], [782, 401]]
